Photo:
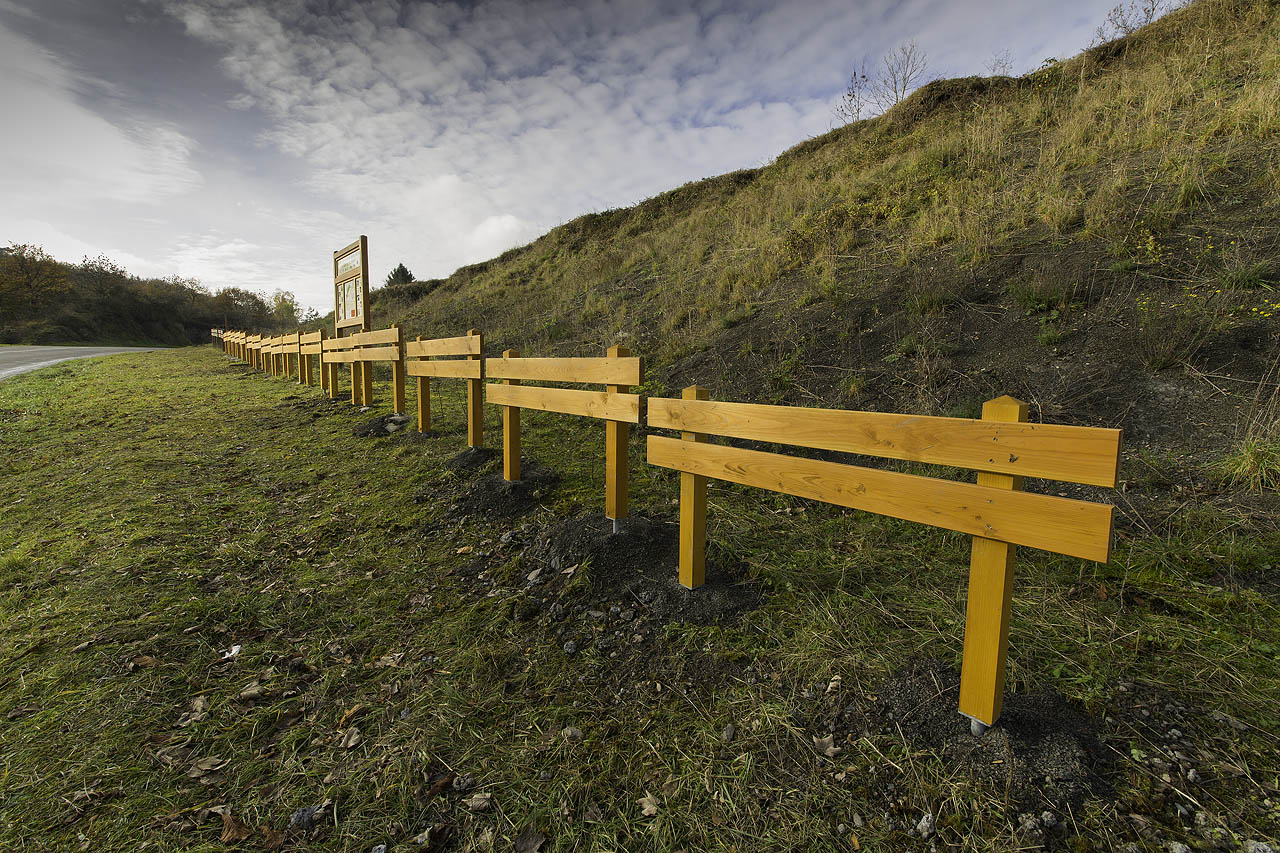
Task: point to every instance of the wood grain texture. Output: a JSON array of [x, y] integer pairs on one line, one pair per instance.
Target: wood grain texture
[[616, 438], [569, 401], [693, 511], [391, 353], [510, 428], [1056, 452], [602, 371], [1075, 528], [461, 345], [454, 368], [990, 598]]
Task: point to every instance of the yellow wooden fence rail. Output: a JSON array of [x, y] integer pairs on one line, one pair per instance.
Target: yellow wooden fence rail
[[1001, 447], [361, 351], [617, 371], [423, 360]]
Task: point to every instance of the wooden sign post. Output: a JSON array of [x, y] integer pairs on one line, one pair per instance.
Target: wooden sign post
[[351, 312]]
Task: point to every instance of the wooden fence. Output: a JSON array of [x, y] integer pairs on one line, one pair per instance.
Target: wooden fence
[[617, 372], [362, 351], [994, 511], [1002, 447], [424, 360], [311, 344]]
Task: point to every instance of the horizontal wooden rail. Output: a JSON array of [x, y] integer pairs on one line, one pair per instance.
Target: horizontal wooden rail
[[419, 363], [995, 512], [454, 369], [592, 404], [462, 345], [363, 354], [603, 371], [617, 371], [1071, 454], [1066, 526]]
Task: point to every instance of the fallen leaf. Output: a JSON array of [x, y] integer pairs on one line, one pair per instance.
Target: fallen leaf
[[231, 652], [669, 786], [465, 549], [648, 805], [86, 644], [350, 738], [205, 765], [530, 841], [144, 662], [479, 802], [253, 690], [349, 714], [233, 830], [834, 684], [199, 711], [434, 837], [571, 734], [272, 839], [827, 746], [21, 711]]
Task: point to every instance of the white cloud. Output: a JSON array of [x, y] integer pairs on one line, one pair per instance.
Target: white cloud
[[72, 154], [450, 131]]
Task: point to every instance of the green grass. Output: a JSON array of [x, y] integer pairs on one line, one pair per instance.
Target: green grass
[[159, 509]]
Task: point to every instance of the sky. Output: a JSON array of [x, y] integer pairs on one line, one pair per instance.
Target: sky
[[240, 142]]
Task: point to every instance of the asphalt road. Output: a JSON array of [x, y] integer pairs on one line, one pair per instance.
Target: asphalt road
[[15, 360]]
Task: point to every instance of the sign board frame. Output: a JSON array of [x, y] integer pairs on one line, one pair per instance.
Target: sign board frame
[[351, 287]]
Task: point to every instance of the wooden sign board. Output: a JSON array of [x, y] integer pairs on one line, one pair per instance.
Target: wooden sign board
[[351, 287]]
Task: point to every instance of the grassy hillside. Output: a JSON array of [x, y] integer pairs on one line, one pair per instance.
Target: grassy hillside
[[228, 622], [1075, 236]]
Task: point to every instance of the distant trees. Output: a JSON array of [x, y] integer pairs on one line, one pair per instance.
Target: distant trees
[[901, 71], [284, 309], [43, 300], [29, 279], [400, 275]]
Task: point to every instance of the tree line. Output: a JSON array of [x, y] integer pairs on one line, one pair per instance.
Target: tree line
[[44, 301]]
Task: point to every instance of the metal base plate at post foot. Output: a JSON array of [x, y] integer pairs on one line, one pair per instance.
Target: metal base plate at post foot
[[977, 728]]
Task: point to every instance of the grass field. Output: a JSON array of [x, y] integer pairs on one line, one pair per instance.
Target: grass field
[[219, 608]]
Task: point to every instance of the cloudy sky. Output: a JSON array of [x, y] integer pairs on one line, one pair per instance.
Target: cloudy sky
[[242, 141]]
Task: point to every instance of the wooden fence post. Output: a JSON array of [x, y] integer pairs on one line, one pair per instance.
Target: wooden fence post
[[616, 436], [475, 398], [356, 383], [397, 373], [986, 627], [324, 379], [366, 379], [424, 401], [693, 510], [511, 432]]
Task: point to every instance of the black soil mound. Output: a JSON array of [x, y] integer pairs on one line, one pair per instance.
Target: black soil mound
[[492, 497], [636, 569], [1042, 751], [381, 426], [472, 460]]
